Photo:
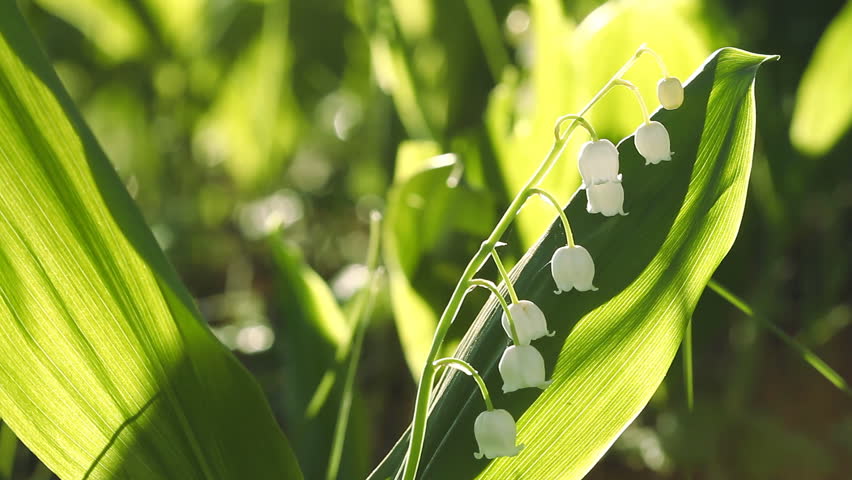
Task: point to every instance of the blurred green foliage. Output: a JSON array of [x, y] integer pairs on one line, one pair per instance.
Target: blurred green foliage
[[229, 120]]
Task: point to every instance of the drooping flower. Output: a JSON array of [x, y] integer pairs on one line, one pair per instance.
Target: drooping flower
[[529, 321], [598, 162], [495, 433], [605, 198], [670, 93], [521, 366], [572, 267], [652, 141]]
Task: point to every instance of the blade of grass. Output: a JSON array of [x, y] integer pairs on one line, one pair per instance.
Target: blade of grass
[[488, 30], [8, 445], [806, 353], [687, 367], [362, 314]]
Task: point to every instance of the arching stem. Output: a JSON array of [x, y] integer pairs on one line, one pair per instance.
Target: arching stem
[[467, 368], [633, 88], [569, 235], [479, 282]]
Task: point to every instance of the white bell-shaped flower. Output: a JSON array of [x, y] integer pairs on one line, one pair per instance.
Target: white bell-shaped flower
[[670, 93], [605, 198], [529, 321], [652, 141], [572, 267], [495, 433], [598, 162], [522, 367]]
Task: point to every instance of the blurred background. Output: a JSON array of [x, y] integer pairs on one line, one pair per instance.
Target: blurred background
[[257, 135]]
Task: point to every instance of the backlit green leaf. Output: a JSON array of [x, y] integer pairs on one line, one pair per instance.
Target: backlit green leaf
[[612, 347], [106, 368], [824, 100]]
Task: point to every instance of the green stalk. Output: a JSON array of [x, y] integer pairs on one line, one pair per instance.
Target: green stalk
[[478, 282], [361, 314], [569, 235], [806, 353], [468, 369], [424, 387], [688, 379]]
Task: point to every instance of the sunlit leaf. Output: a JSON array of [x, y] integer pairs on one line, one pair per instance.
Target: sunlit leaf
[[314, 344], [107, 369], [242, 129], [111, 25], [824, 100], [614, 346]]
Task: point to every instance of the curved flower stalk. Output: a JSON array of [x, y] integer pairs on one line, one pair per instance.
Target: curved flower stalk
[[522, 365], [494, 429]]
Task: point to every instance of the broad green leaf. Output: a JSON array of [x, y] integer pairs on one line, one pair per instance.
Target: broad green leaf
[[824, 101], [612, 347], [314, 344], [107, 369], [111, 25]]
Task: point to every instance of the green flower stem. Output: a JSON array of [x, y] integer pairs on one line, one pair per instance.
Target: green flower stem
[[633, 88], [504, 275], [557, 129], [427, 377], [467, 368], [657, 57], [569, 235], [361, 313], [479, 282]]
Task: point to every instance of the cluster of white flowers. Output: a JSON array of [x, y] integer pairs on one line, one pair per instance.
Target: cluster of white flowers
[[572, 267]]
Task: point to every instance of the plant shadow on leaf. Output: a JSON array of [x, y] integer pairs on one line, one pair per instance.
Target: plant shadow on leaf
[[175, 403], [671, 206]]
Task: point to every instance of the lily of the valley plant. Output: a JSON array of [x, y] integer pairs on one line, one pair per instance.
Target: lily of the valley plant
[[572, 267]]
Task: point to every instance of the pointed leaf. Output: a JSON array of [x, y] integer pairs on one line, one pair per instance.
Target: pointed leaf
[[612, 347]]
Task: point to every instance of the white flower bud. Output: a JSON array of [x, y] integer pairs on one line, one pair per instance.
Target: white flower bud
[[529, 321], [572, 267], [670, 93], [605, 198], [598, 162], [652, 141], [522, 367], [495, 433]]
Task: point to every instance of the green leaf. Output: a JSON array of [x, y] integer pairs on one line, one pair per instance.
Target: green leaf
[[426, 206], [252, 125], [107, 369], [315, 328], [111, 25], [612, 347], [824, 101]]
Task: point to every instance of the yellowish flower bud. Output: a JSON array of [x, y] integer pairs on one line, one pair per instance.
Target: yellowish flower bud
[[495, 433], [670, 93]]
